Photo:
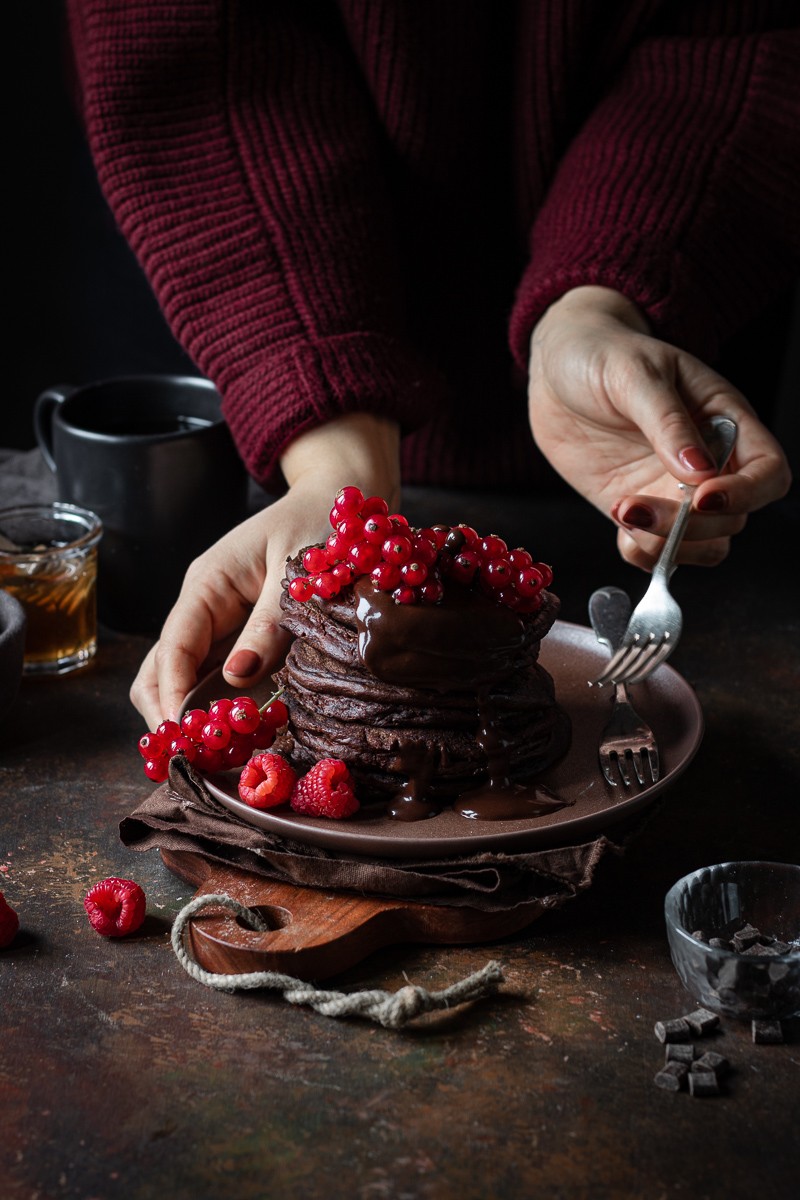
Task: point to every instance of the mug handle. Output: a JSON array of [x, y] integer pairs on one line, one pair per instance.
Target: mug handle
[[46, 405]]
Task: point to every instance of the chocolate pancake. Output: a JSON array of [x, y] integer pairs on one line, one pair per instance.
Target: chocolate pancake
[[423, 702]]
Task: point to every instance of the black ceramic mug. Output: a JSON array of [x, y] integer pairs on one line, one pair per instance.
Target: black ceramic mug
[[153, 457]]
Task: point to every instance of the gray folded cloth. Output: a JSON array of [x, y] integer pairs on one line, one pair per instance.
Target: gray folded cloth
[[25, 478]]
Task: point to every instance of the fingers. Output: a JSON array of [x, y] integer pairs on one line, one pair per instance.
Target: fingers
[[261, 646], [670, 394]]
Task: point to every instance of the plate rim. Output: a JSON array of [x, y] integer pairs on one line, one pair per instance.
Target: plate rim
[[339, 837]]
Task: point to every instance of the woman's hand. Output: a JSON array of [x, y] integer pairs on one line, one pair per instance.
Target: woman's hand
[[616, 412], [232, 591]]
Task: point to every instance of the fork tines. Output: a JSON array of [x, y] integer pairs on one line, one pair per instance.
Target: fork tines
[[635, 662], [643, 763]]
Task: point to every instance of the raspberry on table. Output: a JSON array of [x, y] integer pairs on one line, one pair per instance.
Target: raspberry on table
[[115, 907], [267, 781], [9, 923], [326, 791]]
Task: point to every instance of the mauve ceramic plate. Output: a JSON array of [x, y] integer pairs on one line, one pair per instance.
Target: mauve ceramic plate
[[572, 656]]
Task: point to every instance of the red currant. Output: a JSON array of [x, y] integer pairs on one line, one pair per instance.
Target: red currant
[[437, 534], [374, 506], [547, 573], [414, 573], [325, 585], [398, 521], [349, 531], [315, 560], [464, 566], [348, 500], [167, 730], [431, 591], [397, 549], [470, 535], [277, 712], [492, 547], [520, 558], [530, 581], [404, 595], [377, 528], [342, 573], [216, 734], [183, 745], [151, 745], [335, 548], [385, 577], [192, 723], [238, 750], [244, 716], [425, 549], [209, 760], [498, 573], [301, 589], [363, 557], [157, 769], [218, 710]]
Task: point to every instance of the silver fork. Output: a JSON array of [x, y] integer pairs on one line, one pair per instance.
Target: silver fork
[[655, 626], [627, 741]]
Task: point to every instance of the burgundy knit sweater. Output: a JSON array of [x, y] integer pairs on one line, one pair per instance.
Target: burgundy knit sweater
[[366, 204]]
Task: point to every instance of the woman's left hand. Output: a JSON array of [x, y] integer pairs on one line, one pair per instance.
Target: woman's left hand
[[617, 413]]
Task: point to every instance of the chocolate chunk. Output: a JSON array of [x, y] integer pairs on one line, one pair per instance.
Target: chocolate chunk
[[699, 935], [760, 950], [703, 1083], [711, 1061], [701, 1021], [718, 943], [673, 1031], [747, 936], [683, 1052], [767, 1033], [672, 1077]]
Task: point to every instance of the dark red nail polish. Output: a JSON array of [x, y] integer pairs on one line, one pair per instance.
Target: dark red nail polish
[[639, 515], [712, 502], [243, 663], [696, 459]]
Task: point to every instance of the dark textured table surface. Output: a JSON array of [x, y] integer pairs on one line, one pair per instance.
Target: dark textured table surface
[[121, 1076]]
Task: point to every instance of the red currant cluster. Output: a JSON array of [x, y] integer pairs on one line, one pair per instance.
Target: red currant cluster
[[414, 564], [223, 736]]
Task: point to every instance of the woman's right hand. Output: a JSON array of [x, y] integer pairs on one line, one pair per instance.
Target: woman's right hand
[[232, 591]]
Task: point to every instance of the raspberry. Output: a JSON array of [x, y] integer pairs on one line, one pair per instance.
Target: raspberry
[[115, 907], [9, 922], [266, 781], [326, 791]]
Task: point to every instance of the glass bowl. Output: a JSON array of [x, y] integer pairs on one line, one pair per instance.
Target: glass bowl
[[717, 901]]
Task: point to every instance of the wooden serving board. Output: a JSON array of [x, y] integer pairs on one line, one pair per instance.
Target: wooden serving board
[[317, 933]]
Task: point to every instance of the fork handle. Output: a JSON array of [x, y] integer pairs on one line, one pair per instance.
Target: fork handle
[[666, 559]]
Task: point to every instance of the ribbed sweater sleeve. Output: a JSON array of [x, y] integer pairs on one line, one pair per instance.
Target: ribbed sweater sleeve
[[243, 163], [681, 188]]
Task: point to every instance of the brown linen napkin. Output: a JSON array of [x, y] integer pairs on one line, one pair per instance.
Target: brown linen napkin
[[182, 815]]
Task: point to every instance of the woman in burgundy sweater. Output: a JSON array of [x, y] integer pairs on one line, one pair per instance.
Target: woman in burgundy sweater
[[461, 242]]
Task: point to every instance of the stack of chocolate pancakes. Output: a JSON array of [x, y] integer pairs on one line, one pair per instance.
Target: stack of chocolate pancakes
[[430, 706]]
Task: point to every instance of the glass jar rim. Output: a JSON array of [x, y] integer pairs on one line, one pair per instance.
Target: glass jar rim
[[71, 513]]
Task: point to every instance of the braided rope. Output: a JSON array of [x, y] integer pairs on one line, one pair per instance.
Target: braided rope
[[390, 1009]]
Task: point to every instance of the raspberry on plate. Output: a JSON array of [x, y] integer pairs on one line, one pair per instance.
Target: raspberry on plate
[[9, 923], [115, 907], [266, 781], [326, 791]]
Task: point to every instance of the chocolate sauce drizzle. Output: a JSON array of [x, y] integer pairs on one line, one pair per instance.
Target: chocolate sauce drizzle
[[467, 642]]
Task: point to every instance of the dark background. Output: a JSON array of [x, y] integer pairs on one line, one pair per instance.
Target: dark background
[[79, 306]]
